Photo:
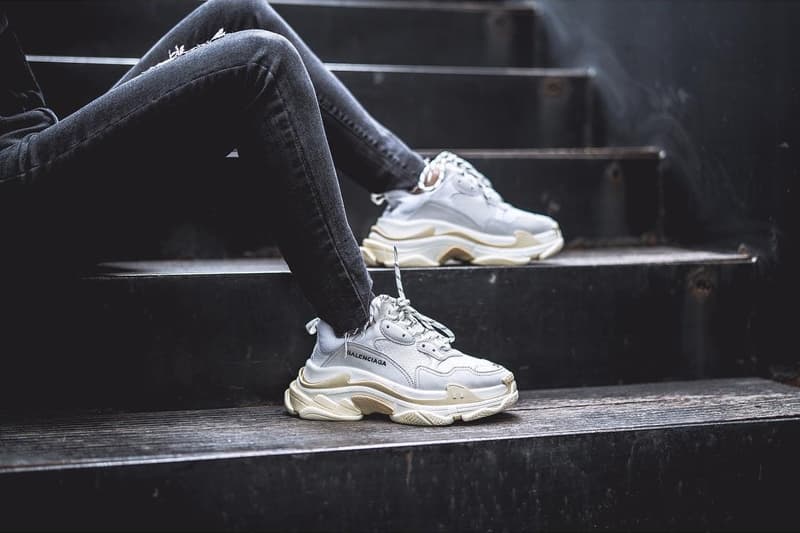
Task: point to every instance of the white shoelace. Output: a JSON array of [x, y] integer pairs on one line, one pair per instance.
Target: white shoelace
[[439, 165], [465, 168], [421, 327]]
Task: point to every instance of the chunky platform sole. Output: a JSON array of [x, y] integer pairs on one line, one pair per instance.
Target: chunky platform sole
[[432, 248], [352, 402]]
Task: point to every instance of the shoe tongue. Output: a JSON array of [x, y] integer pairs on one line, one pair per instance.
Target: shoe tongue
[[381, 305], [480, 180]]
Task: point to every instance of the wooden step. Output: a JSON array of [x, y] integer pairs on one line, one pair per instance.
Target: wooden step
[[187, 334], [704, 455]]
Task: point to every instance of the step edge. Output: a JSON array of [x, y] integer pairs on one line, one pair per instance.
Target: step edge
[[462, 6], [254, 454], [730, 390], [463, 71], [646, 152], [469, 6], [530, 72], [279, 267]]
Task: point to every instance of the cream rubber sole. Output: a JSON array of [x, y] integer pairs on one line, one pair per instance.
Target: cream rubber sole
[[431, 243], [341, 400]]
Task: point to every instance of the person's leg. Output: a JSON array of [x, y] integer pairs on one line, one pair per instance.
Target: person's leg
[[248, 89], [460, 217], [362, 148]]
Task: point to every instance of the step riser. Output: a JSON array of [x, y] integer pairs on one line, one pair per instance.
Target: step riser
[[424, 109], [712, 477], [484, 35], [184, 342], [596, 201]]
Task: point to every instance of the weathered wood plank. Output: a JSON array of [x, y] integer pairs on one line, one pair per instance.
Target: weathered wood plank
[[711, 455], [611, 256], [119, 439]]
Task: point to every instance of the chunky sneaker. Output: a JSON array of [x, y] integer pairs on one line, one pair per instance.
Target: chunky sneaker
[[455, 213], [401, 364]]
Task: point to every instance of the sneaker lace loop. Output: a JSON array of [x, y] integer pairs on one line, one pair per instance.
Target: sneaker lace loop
[[450, 160], [421, 326]]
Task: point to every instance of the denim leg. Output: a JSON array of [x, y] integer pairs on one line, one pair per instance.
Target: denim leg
[[251, 90], [362, 148]]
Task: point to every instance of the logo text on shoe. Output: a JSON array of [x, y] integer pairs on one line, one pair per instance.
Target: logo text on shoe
[[366, 357]]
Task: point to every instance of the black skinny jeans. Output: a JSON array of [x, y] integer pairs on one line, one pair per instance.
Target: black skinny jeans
[[260, 89]]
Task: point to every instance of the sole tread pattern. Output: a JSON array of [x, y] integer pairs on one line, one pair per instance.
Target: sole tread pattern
[[322, 407]]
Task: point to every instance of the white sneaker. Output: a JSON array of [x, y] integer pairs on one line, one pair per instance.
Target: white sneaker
[[458, 215], [401, 364]]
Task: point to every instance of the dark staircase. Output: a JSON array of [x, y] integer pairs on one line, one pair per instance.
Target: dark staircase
[[145, 393]]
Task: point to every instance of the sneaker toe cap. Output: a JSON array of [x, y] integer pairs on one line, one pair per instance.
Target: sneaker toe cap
[[479, 374], [535, 223]]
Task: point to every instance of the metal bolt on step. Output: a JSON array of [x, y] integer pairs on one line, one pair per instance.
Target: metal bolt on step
[[614, 173], [702, 283], [554, 87]]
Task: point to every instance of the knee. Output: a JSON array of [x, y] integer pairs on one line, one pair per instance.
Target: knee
[[266, 47], [259, 13], [274, 53]]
